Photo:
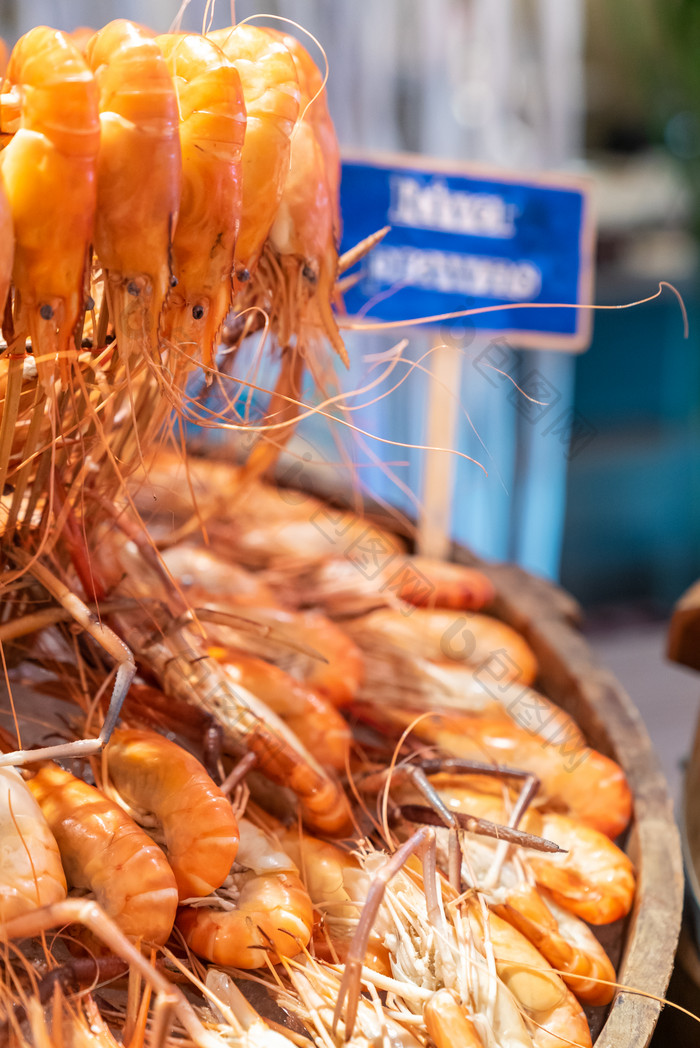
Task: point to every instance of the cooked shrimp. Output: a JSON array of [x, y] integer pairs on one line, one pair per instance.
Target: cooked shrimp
[[262, 912], [139, 181], [540, 992], [315, 103], [104, 850], [446, 585], [566, 942], [207, 579], [591, 876], [337, 886], [49, 173], [271, 93], [212, 130], [342, 589], [337, 671], [588, 785], [31, 874], [294, 285], [155, 775], [447, 1022], [441, 636], [176, 654], [313, 719]]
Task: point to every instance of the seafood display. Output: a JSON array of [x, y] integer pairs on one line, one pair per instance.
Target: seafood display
[[279, 799]]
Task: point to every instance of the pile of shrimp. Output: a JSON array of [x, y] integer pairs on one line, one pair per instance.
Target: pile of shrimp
[[151, 186], [327, 813]]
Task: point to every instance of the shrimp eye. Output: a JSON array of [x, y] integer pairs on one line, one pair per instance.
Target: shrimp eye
[[198, 312], [133, 288], [308, 274], [86, 343], [89, 303], [46, 312], [173, 281], [243, 275]]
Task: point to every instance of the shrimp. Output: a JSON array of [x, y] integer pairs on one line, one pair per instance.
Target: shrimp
[[315, 101], [337, 886], [562, 939], [272, 98], [342, 589], [205, 577], [447, 1022], [440, 636], [334, 670], [312, 718], [264, 909], [138, 183], [437, 941], [591, 876], [212, 130], [294, 284], [200, 830], [585, 783], [31, 874], [49, 173], [176, 654], [104, 850]]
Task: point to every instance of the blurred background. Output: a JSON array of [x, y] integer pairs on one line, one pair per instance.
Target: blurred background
[[605, 88]]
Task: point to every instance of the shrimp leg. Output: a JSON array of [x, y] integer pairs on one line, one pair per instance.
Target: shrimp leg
[[350, 986], [93, 917], [107, 639]]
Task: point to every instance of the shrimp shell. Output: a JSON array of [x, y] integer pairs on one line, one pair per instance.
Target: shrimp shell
[[31, 874], [49, 172], [212, 131], [200, 829], [271, 916], [104, 850], [272, 97], [139, 179]]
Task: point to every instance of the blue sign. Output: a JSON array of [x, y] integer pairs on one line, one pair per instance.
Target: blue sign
[[462, 239]]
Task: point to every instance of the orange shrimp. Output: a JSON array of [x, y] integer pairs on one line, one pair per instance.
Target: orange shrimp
[[104, 850], [200, 830], [31, 874], [447, 585], [336, 672], [206, 578], [441, 636], [49, 173], [447, 1022], [271, 92], [315, 102], [312, 718], [585, 783], [337, 886], [139, 181], [212, 130], [266, 913], [177, 655], [539, 991], [565, 941], [591, 876]]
